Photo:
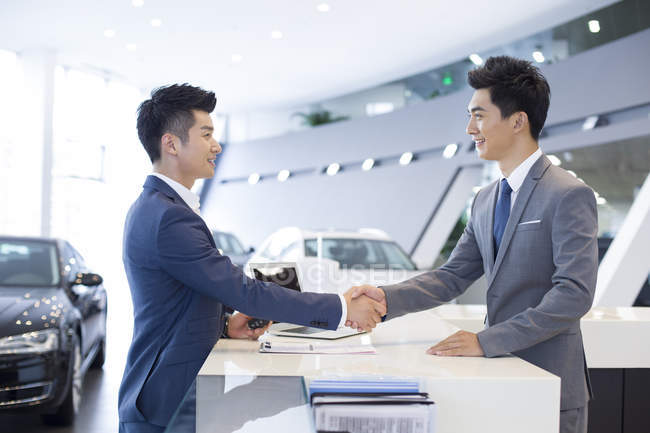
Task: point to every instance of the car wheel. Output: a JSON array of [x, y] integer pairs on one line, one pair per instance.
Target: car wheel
[[100, 356], [66, 413]]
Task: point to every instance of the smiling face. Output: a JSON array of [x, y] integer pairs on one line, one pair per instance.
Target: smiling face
[[195, 157], [493, 135]]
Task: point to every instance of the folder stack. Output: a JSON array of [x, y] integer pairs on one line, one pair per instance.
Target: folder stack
[[382, 405]]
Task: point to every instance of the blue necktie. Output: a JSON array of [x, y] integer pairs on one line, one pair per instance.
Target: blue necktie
[[501, 214]]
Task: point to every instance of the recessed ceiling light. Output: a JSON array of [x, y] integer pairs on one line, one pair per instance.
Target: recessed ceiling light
[[590, 123], [156, 22], [333, 168], [594, 26], [131, 47], [601, 201], [406, 158], [138, 3], [323, 7], [109, 33], [554, 159], [283, 175], [538, 56], [236, 58], [476, 59], [276, 34], [450, 150], [368, 164], [253, 178]]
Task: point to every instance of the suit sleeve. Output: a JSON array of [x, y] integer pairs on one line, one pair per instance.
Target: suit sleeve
[[433, 288], [187, 255], [575, 256]]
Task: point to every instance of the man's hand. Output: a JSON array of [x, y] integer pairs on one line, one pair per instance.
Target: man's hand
[[372, 292], [238, 327], [364, 311], [462, 343]]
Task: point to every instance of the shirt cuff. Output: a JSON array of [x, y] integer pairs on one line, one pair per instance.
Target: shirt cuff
[[344, 311]]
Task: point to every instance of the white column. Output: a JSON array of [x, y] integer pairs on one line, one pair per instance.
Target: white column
[[38, 65], [627, 261]]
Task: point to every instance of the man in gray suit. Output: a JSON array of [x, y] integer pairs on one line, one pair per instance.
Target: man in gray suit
[[532, 233]]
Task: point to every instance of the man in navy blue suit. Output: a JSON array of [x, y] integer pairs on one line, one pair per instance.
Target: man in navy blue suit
[[181, 286]]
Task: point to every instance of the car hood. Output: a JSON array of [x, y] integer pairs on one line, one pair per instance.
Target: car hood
[[30, 309]]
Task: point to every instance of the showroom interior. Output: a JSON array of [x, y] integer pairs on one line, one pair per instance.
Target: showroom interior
[[333, 116]]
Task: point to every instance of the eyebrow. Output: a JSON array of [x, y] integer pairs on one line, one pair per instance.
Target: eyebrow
[[207, 128], [477, 108]]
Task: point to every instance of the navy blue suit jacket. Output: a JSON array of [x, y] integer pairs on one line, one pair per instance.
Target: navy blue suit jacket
[[180, 287]]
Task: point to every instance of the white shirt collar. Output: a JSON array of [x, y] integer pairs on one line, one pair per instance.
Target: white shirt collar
[[516, 178], [190, 198]]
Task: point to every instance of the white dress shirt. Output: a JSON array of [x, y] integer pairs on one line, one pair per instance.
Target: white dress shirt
[[192, 200], [516, 178]]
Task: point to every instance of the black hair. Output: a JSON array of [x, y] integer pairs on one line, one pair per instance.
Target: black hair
[[514, 85], [170, 110]]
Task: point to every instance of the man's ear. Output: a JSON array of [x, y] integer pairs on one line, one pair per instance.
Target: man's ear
[[519, 121], [168, 144]]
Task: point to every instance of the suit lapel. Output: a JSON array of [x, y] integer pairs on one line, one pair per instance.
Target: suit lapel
[[526, 190], [488, 223], [161, 186]]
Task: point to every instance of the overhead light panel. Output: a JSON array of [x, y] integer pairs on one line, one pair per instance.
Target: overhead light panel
[[276, 34], [594, 26], [156, 22], [254, 178], [323, 7], [368, 164], [406, 158], [138, 3], [333, 168], [131, 47], [476, 59], [236, 58], [450, 150], [109, 33], [283, 175], [538, 56], [554, 159]]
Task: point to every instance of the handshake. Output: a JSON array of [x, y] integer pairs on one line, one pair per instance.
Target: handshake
[[366, 307]]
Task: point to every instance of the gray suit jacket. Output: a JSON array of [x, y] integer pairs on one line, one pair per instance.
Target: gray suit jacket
[[539, 285]]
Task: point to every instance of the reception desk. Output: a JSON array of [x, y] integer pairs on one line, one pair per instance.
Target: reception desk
[[240, 389]]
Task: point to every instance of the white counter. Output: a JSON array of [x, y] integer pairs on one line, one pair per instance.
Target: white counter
[[614, 337], [472, 394]]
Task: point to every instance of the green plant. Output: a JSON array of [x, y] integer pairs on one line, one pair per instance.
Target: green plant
[[321, 117]]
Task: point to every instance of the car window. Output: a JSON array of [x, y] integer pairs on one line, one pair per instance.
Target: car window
[[228, 244], [276, 247], [292, 252], [28, 263], [362, 253]]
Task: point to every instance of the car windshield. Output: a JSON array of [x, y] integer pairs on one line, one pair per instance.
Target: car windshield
[[28, 263], [228, 244], [361, 253]]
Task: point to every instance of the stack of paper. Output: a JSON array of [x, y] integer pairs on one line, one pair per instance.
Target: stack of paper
[[371, 406]]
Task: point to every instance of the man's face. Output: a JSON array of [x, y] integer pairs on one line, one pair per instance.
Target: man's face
[[196, 156], [493, 135]]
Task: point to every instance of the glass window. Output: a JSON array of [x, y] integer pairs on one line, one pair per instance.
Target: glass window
[[28, 263], [228, 244], [362, 253]]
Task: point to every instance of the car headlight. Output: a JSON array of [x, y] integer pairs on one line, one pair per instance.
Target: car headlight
[[30, 342]]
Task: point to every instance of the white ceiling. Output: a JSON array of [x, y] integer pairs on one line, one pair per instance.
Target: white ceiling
[[357, 44]]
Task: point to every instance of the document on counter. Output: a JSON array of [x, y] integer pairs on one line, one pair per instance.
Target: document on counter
[[315, 347]]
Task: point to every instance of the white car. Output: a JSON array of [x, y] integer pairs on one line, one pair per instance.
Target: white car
[[332, 261]]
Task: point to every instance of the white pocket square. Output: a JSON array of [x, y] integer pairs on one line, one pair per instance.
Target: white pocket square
[[530, 222]]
